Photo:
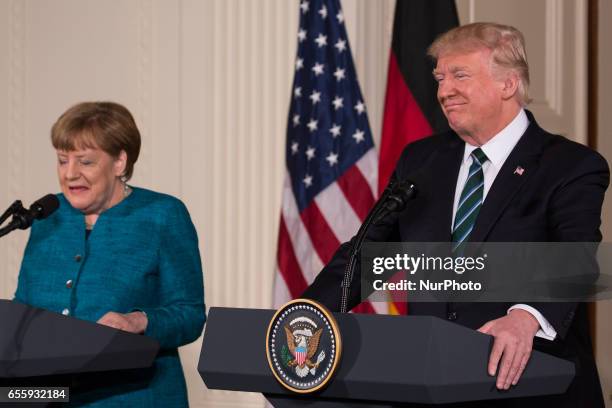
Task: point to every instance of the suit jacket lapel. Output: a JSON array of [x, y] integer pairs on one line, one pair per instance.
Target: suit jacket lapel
[[442, 187], [521, 163]]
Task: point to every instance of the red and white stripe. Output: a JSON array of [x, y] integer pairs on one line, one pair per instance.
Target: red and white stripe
[[307, 241], [300, 357]]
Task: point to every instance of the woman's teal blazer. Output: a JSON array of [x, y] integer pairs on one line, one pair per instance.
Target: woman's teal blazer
[[141, 255]]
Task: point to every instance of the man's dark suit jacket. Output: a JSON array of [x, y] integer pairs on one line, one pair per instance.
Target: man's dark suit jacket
[[558, 198]]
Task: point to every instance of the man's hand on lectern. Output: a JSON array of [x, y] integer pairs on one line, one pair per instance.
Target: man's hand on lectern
[[512, 346]]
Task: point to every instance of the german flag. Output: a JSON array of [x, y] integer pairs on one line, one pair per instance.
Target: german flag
[[412, 111], [411, 108]]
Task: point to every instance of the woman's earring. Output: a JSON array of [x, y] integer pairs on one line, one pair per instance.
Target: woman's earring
[[126, 188]]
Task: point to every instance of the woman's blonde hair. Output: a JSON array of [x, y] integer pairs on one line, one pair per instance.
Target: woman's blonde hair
[[105, 125]]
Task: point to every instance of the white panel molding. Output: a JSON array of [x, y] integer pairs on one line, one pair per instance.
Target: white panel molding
[[144, 92], [580, 100], [180, 88], [550, 104], [242, 142], [17, 130], [351, 24], [554, 57], [237, 63], [472, 11], [197, 117], [371, 55], [563, 109], [549, 108], [216, 241], [389, 18], [230, 157], [5, 142], [251, 87]]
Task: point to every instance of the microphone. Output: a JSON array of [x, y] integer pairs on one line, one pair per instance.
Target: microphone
[[394, 199], [400, 193], [43, 207], [23, 219]]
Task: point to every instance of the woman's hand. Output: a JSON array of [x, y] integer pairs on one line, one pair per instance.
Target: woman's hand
[[135, 322]]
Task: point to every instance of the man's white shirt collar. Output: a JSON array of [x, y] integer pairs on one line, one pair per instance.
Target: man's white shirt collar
[[498, 148]]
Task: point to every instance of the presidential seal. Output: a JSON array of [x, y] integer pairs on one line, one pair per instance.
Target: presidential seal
[[303, 346]]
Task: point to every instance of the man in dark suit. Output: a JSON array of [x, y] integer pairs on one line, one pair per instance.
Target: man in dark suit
[[496, 177]]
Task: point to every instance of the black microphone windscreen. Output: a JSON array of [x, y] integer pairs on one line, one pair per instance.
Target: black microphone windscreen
[[44, 207]]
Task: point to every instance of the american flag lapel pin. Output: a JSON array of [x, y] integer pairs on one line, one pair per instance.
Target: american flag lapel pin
[[519, 170]]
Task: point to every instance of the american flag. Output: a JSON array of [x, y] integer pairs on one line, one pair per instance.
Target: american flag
[[331, 164]]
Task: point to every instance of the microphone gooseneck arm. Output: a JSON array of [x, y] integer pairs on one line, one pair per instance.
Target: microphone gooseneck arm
[[393, 199], [13, 225], [16, 210], [13, 209], [22, 218]]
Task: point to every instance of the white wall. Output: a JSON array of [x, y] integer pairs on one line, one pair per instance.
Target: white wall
[[209, 84]]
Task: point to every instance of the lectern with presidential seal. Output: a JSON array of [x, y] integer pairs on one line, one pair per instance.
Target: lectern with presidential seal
[[302, 354]]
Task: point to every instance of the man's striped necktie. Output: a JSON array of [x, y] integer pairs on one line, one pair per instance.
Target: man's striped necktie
[[470, 201]]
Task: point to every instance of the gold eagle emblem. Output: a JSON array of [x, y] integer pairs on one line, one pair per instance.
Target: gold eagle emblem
[[311, 343]]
